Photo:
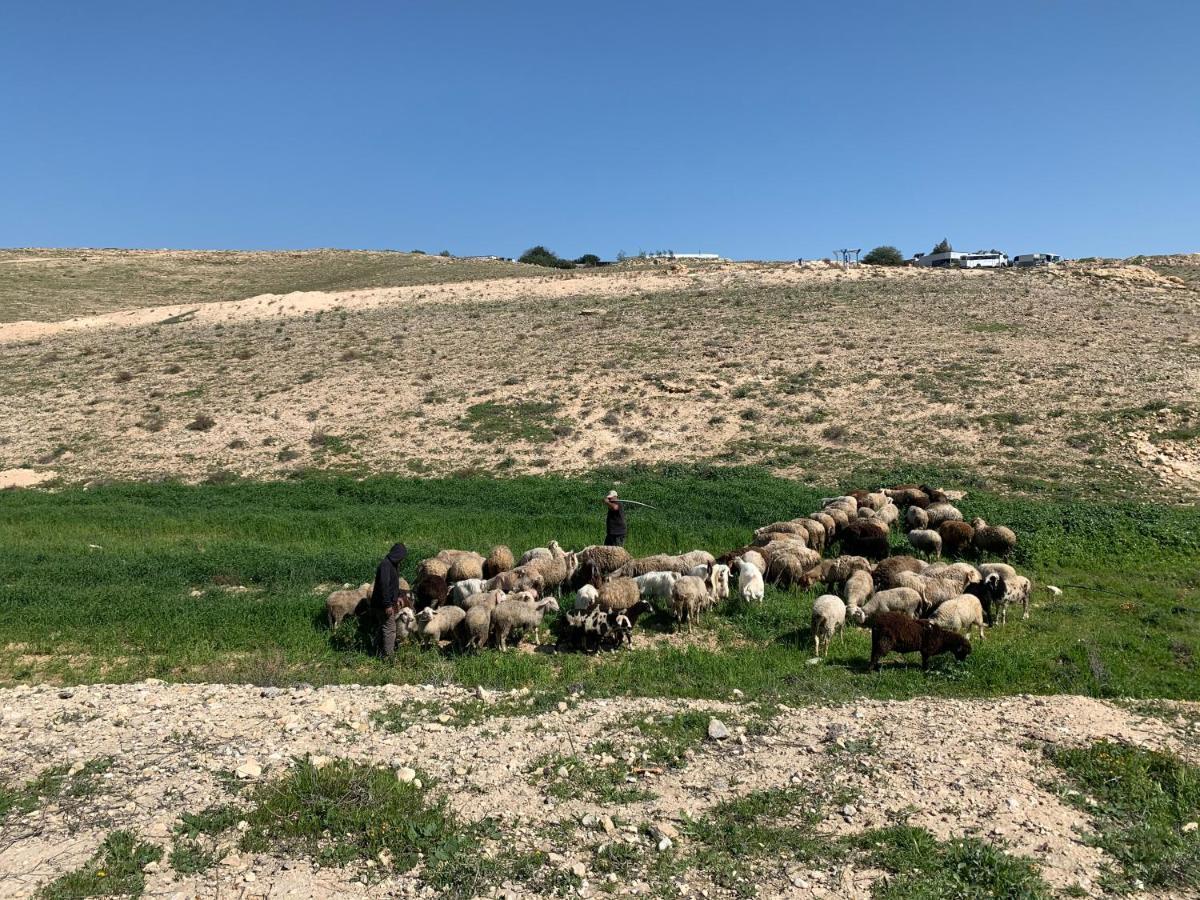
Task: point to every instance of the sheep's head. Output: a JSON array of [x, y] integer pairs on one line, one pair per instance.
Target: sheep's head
[[857, 615], [547, 604], [423, 617], [978, 522], [406, 617], [961, 648]]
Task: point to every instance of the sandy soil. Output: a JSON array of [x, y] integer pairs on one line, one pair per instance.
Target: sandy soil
[[1082, 374], [968, 767]]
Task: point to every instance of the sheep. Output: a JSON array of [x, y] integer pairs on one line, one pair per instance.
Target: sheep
[[694, 558], [934, 590], [718, 574], [828, 615], [1004, 570], [858, 588], [904, 600], [828, 522], [1016, 589], [461, 590], [887, 569], [688, 597], [439, 624], [839, 516], [876, 500], [956, 536], [464, 568], [846, 503], [835, 571], [926, 540], [750, 582], [517, 614], [916, 517], [622, 622], [606, 559], [449, 557], [790, 564], [406, 623], [888, 514], [476, 626], [347, 602], [619, 593], [792, 526], [908, 495], [483, 598], [656, 585], [897, 632], [499, 559], [960, 614], [942, 512], [586, 596], [593, 627], [995, 539], [432, 567], [817, 535], [536, 553], [661, 562], [935, 495], [518, 579], [430, 591], [864, 537], [555, 569]]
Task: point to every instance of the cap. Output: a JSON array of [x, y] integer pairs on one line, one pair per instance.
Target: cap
[[611, 495]]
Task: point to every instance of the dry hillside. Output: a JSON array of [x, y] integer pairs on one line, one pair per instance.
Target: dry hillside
[[1084, 374]]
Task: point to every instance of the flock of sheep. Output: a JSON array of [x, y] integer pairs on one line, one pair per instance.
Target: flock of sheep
[[911, 603]]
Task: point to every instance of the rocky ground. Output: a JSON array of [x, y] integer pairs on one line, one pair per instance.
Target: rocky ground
[[1080, 375], [955, 767]]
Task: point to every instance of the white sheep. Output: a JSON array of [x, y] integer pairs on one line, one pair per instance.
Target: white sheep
[[926, 540], [960, 614], [461, 590], [586, 596], [828, 615], [656, 585], [718, 576], [904, 600], [859, 587], [440, 624], [750, 582], [518, 614], [937, 513], [688, 597]]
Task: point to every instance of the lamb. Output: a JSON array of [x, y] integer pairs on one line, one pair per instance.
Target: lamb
[[718, 576], [750, 582], [960, 615], [1016, 590], [619, 593], [606, 559], [406, 623], [483, 598], [586, 596], [865, 537], [656, 585], [916, 517], [499, 559], [437, 625], [476, 626], [942, 512], [995, 539], [461, 590], [897, 632], [622, 622], [926, 540], [956, 536], [887, 569], [465, 567], [828, 615], [902, 600], [688, 597], [517, 614], [592, 626], [858, 588], [518, 579], [347, 602]]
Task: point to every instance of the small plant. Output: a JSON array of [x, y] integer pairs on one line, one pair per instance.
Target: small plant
[[115, 870], [202, 422]]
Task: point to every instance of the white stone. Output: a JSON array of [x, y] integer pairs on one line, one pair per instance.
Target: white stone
[[717, 730]]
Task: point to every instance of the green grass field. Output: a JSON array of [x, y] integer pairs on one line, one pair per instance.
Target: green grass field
[[96, 584]]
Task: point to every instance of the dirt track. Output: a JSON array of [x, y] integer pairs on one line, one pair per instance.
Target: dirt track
[[971, 767]]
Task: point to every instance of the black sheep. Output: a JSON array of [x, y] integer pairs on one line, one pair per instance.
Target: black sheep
[[864, 537], [896, 632]]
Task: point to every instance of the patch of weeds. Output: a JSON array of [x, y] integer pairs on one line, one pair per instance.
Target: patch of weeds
[[991, 327], [115, 870], [835, 432], [1140, 801], [665, 740], [474, 874], [54, 783], [287, 454], [924, 868], [573, 777], [397, 717], [202, 422], [521, 420], [329, 443], [189, 857]]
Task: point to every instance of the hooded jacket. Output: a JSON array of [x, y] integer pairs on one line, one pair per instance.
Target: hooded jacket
[[386, 589]]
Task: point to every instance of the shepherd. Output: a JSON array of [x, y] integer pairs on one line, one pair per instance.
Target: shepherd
[[385, 598], [615, 528]]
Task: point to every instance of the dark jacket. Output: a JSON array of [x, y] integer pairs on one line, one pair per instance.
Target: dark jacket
[[615, 524], [387, 578]]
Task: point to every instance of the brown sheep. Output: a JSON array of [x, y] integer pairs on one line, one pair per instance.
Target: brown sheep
[[499, 559], [995, 539], [522, 578], [619, 594], [606, 559], [865, 537], [430, 591], [896, 632], [956, 537], [887, 569], [465, 567]]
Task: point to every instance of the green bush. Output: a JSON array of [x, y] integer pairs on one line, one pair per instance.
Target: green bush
[[540, 256], [885, 255]]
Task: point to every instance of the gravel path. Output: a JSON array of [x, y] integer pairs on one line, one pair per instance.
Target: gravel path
[[966, 768]]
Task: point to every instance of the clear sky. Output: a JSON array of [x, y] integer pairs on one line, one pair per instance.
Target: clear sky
[[753, 129]]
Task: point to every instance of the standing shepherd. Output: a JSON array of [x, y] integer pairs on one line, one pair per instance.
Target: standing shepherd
[[385, 598], [615, 528]]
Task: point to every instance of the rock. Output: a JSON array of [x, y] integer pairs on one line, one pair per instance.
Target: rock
[[407, 775], [849, 811], [327, 706], [65, 695], [738, 694], [579, 870], [562, 772], [588, 821], [270, 692], [562, 706], [150, 868], [249, 877], [664, 830], [608, 825], [1188, 827], [717, 730], [664, 844], [248, 769]]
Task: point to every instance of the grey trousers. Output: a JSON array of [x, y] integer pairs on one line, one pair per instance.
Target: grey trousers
[[387, 632]]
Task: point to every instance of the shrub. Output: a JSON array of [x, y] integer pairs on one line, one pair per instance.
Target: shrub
[[540, 256], [588, 259], [942, 247], [202, 422], [885, 255]]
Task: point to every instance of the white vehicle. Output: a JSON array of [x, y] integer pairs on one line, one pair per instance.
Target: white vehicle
[[984, 259], [1036, 259], [939, 260]]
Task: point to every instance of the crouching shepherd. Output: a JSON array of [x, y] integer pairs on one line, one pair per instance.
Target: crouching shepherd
[[385, 598]]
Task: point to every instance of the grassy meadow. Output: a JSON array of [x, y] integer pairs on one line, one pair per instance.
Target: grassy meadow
[[98, 583]]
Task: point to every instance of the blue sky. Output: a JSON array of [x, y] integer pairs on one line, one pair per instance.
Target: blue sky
[[757, 130]]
